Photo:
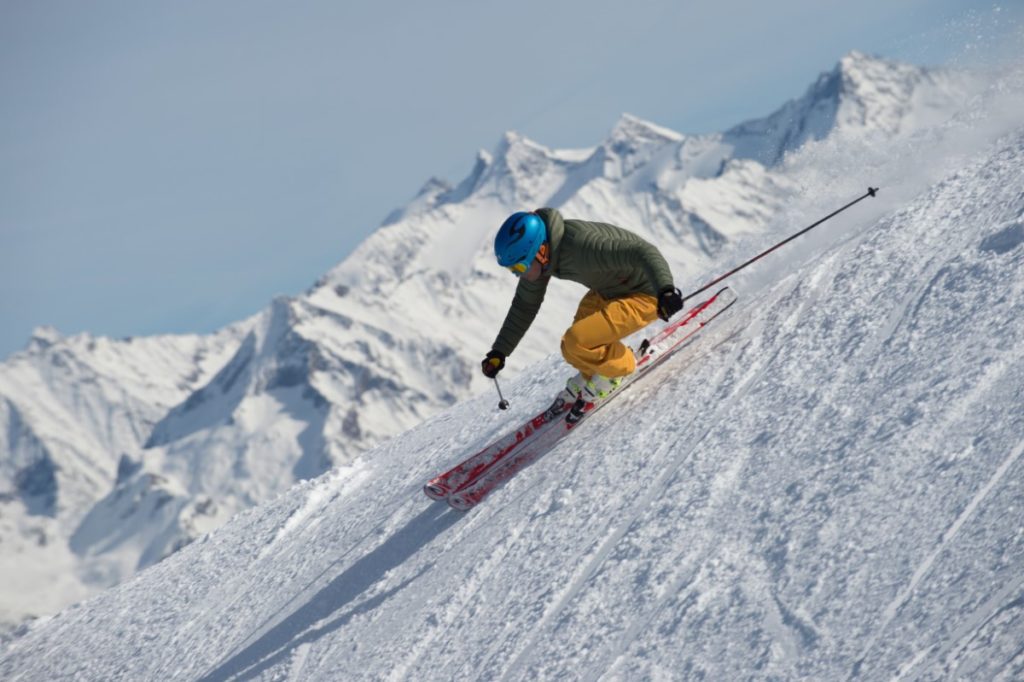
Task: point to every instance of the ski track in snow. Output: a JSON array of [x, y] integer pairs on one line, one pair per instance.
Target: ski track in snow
[[719, 490], [891, 609], [611, 538], [653, 493]]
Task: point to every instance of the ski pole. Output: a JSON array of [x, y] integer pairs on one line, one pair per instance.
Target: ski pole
[[502, 403], [870, 193]]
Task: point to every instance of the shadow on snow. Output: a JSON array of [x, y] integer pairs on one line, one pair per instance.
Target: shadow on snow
[[310, 622]]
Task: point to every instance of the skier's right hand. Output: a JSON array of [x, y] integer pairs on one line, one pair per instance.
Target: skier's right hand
[[493, 363], [670, 302]]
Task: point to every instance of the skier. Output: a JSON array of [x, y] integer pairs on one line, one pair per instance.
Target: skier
[[629, 283]]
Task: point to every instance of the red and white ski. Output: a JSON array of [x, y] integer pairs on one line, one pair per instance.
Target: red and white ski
[[439, 487], [469, 482]]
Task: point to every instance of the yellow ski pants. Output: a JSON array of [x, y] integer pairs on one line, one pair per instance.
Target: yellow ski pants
[[593, 343]]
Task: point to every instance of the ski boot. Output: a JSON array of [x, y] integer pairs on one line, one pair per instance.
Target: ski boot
[[563, 402], [587, 393]]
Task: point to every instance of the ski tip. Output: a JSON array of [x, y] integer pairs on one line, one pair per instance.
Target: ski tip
[[458, 503], [435, 492]]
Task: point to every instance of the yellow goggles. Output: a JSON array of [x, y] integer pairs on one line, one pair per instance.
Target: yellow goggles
[[542, 257]]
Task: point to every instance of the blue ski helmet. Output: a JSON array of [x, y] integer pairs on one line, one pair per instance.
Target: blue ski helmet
[[518, 240]]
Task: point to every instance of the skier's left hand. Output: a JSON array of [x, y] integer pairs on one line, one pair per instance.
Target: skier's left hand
[[493, 363], [670, 302]]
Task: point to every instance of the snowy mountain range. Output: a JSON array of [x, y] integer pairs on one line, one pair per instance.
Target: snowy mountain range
[[115, 454], [826, 485]]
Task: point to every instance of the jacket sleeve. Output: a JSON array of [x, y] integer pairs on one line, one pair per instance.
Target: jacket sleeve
[[525, 304]]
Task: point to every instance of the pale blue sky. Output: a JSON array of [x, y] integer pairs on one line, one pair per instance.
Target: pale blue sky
[[171, 166]]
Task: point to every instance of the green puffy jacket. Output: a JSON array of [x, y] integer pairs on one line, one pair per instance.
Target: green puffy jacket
[[607, 259]]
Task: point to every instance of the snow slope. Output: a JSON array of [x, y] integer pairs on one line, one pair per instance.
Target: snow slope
[[115, 454], [827, 485]]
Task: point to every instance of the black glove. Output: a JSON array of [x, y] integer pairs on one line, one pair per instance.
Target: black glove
[[493, 363], [670, 302]]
